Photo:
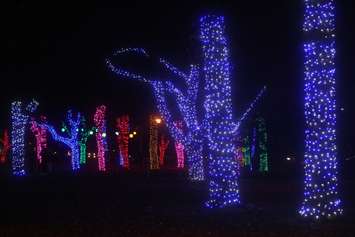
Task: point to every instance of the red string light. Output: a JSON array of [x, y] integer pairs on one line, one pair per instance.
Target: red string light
[[179, 147], [163, 145], [5, 141], [41, 138], [122, 124], [99, 119]]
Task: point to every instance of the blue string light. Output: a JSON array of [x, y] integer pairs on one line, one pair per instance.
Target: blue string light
[[223, 173], [19, 121], [72, 141], [320, 185]]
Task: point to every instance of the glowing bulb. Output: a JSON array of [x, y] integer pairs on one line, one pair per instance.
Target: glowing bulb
[[134, 133], [130, 135], [158, 120], [104, 134]]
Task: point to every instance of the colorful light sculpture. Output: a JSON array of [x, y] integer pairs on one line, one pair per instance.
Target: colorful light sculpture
[[41, 138], [19, 121], [163, 145], [100, 123], [122, 124], [321, 197], [263, 157], [72, 138], [5, 143], [223, 173], [153, 143], [84, 135]]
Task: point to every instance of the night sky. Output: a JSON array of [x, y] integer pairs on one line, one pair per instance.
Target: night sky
[[54, 51]]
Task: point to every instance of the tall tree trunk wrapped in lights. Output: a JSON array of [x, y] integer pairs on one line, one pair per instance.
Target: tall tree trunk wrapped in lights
[[122, 124], [222, 171], [5, 146], [41, 138], [153, 143], [163, 145], [263, 156], [19, 121], [321, 197], [100, 123]]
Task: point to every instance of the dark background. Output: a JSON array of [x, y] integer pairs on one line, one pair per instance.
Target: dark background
[[54, 51]]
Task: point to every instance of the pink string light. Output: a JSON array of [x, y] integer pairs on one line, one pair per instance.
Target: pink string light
[[99, 119]]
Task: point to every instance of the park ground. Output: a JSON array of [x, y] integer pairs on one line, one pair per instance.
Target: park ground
[[158, 204]]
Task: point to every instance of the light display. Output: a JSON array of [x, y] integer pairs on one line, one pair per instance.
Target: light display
[[223, 173], [192, 137], [321, 197], [122, 124], [84, 135], [163, 145], [179, 148], [5, 147], [246, 151], [253, 148], [41, 138], [100, 123], [263, 157], [217, 126], [72, 139], [239, 157], [19, 121], [153, 143]]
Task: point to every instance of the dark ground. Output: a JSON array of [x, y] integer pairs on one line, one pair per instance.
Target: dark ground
[[157, 204]]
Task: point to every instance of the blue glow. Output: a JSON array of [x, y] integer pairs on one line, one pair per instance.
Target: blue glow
[[19, 121], [321, 197], [223, 168], [72, 141]]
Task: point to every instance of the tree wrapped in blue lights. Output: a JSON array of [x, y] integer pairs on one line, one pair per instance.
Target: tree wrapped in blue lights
[[320, 186], [19, 121], [72, 139], [217, 126], [192, 136], [222, 171]]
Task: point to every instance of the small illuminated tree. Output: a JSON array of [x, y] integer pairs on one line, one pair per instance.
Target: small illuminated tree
[[72, 139], [122, 124], [163, 145], [153, 143], [5, 143], [19, 121], [100, 123], [41, 138], [84, 135]]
